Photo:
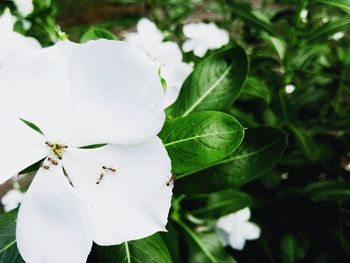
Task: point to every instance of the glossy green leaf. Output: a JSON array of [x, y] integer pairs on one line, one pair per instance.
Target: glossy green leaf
[[324, 191], [200, 140], [257, 88], [259, 152], [151, 249], [97, 33], [171, 240], [215, 83], [341, 4], [219, 204], [8, 247]]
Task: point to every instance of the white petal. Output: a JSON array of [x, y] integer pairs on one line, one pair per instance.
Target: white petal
[[148, 38], [226, 222], [200, 50], [132, 202], [203, 37], [117, 93], [25, 7], [14, 45], [149, 30], [53, 224], [168, 53], [250, 231], [191, 30], [41, 90], [188, 45], [7, 22], [223, 227], [236, 240], [243, 214], [21, 146]]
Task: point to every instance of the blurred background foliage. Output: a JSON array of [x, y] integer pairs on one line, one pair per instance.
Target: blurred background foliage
[[298, 82]]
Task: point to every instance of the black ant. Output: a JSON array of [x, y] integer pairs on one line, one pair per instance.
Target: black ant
[[171, 180]]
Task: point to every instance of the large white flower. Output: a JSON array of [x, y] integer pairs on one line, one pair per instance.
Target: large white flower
[[12, 43], [202, 37], [167, 54], [234, 229], [101, 92]]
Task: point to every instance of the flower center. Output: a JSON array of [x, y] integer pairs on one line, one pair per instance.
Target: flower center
[[57, 149]]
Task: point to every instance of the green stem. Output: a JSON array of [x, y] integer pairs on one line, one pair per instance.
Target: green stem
[[195, 238], [127, 251]]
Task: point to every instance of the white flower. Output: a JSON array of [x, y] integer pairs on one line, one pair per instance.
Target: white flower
[[101, 92], [12, 43], [303, 15], [167, 54], [24, 7], [289, 88], [12, 199], [234, 229], [337, 36], [202, 37]]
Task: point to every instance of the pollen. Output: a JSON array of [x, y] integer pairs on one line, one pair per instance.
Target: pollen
[[57, 149]]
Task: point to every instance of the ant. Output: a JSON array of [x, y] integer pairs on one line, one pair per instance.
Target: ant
[[46, 167], [100, 178], [171, 180], [113, 170]]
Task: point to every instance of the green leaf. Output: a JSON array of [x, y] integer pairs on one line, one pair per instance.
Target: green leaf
[[247, 16], [214, 84], [260, 151], [97, 33], [325, 191], [328, 29], [32, 168], [8, 247], [292, 249], [257, 88], [306, 56], [32, 125], [151, 249], [200, 140], [171, 240], [279, 45], [212, 243], [306, 143], [218, 204], [204, 247], [341, 4]]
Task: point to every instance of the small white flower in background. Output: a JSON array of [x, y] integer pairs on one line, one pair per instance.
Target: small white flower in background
[[101, 92], [24, 7], [289, 88], [337, 36], [325, 20], [234, 229], [202, 37], [167, 54], [303, 15], [12, 43], [12, 199]]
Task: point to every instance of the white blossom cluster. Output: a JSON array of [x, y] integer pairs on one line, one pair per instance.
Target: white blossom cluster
[[97, 109]]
